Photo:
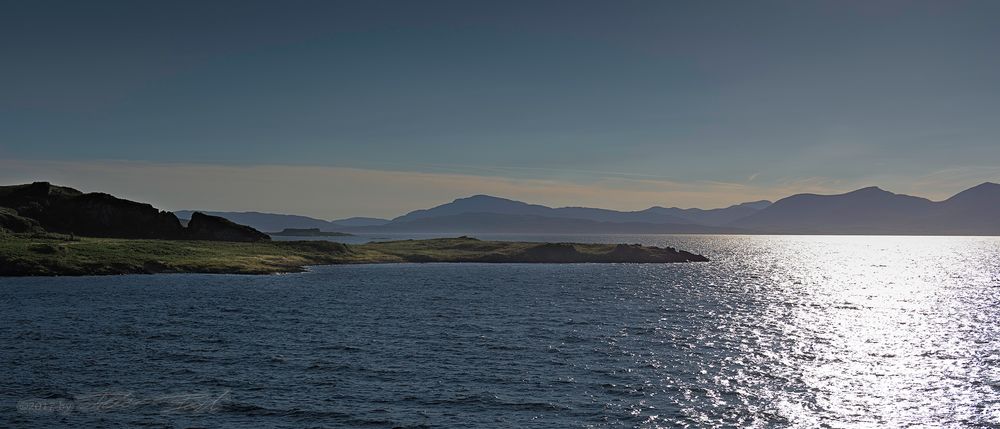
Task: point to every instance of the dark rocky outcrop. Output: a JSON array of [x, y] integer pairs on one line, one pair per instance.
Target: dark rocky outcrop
[[215, 228], [11, 221], [551, 252], [637, 253], [66, 210]]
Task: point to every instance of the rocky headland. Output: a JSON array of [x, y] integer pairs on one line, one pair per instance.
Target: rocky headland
[[41, 206]]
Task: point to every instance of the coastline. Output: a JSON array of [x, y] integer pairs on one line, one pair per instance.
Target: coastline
[[61, 255]]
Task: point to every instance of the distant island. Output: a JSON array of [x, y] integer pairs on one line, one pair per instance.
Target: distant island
[[307, 232], [48, 230]]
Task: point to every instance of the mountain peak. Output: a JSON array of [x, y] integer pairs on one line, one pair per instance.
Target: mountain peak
[[986, 186], [483, 200], [758, 205], [987, 190], [482, 197], [870, 190], [479, 203]]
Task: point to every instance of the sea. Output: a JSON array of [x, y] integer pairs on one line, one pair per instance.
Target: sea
[[774, 331]]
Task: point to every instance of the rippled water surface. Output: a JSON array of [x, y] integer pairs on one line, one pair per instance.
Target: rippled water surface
[[775, 331]]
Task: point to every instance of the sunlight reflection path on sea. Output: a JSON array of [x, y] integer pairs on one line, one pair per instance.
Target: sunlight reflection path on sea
[[775, 331]]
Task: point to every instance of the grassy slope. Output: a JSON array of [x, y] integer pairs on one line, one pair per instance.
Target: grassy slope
[[53, 254], [472, 250]]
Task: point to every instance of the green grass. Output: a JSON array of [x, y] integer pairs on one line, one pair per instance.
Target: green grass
[[54, 254], [58, 255]]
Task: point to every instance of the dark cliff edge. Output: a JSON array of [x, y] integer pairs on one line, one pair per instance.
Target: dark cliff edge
[[66, 210], [215, 228]]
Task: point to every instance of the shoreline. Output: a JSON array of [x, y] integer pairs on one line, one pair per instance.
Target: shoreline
[[47, 255]]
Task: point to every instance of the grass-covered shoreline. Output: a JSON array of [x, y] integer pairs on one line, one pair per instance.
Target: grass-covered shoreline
[[61, 255]]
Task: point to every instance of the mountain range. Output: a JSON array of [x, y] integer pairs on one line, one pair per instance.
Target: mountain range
[[273, 222], [975, 211]]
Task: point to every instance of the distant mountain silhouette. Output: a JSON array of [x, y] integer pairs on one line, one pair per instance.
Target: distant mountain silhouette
[[279, 222], [653, 215], [865, 211], [484, 213], [875, 211], [714, 217], [973, 211], [518, 223]]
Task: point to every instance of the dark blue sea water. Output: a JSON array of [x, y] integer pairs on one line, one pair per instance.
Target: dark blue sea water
[[774, 332]]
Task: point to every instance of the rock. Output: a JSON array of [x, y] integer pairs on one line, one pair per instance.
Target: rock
[[637, 253], [552, 252], [207, 227], [66, 210], [11, 221]]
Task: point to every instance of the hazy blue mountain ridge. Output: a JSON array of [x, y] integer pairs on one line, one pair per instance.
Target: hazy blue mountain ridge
[[870, 210], [272, 222], [517, 223], [875, 211]]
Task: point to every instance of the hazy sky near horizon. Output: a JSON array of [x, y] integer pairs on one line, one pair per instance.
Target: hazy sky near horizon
[[379, 107]]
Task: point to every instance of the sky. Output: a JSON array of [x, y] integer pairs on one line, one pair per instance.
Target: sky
[[374, 108]]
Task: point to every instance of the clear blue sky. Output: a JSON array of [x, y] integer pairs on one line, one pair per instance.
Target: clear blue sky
[[661, 103]]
